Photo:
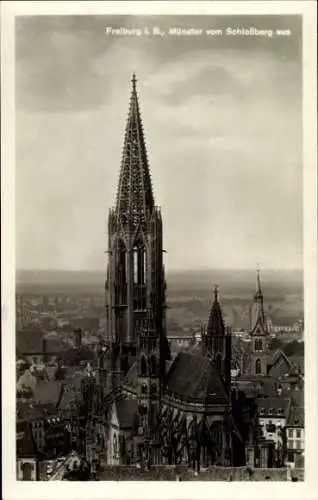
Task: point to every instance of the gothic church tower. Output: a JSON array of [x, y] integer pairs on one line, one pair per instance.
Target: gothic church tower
[[258, 360], [135, 283]]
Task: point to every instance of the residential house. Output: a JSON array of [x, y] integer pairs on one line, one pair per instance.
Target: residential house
[[272, 414], [295, 438]]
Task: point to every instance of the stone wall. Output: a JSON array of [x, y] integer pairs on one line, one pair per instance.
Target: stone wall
[[166, 473]]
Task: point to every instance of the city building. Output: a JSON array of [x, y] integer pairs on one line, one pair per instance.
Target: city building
[[295, 437], [272, 414]]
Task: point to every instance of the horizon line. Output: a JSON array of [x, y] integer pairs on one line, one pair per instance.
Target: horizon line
[[174, 270]]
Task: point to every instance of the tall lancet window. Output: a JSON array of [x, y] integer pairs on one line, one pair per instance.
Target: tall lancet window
[[122, 262], [139, 264], [258, 367]]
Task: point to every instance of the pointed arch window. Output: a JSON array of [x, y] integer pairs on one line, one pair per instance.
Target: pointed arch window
[[153, 388], [141, 266], [122, 262], [27, 469], [217, 434], [135, 264], [139, 263], [258, 367]]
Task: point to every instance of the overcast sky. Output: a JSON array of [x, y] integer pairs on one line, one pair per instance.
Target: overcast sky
[[222, 118]]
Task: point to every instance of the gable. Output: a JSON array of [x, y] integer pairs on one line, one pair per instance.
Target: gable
[[259, 328], [280, 364]]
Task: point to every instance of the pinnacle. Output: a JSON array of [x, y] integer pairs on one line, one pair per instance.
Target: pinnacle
[[216, 324]]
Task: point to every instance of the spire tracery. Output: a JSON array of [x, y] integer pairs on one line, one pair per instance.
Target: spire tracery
[[134, 196]]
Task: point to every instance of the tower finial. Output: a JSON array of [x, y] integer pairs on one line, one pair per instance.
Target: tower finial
[[216, 291], [134, 81], [258, 278]]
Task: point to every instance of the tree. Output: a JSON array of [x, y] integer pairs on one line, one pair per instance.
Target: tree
[[60, 373], [275, 344]]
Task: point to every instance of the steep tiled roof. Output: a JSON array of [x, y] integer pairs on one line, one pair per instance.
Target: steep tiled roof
[[29, 411], [298, 398], [126, 412], [293, 362], [195, 378], [70, 397], [32, 341], [276, 355], [296, 417], [29, 340], [275, 406], [131, 378], [48, 391], [297, 363]]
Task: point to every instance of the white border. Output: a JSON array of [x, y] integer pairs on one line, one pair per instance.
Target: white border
[[20, 490]]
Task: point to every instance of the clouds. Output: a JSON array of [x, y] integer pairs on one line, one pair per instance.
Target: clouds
[[222, 120]]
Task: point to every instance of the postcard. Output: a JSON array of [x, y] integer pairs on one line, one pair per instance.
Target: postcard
[[159, 292]]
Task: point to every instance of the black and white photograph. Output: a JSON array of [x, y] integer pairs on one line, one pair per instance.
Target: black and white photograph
[[160, 328]]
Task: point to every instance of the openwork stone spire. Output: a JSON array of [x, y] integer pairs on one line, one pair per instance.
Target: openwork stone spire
[[134, 196]]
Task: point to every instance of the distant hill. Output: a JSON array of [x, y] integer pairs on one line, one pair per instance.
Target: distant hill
[[230, 282], [42, 282], [48, 277]]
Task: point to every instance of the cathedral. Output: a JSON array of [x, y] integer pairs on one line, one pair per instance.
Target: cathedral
[[158, 410]]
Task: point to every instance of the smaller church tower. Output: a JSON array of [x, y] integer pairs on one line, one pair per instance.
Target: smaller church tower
[[217, 341], [258, 362]]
